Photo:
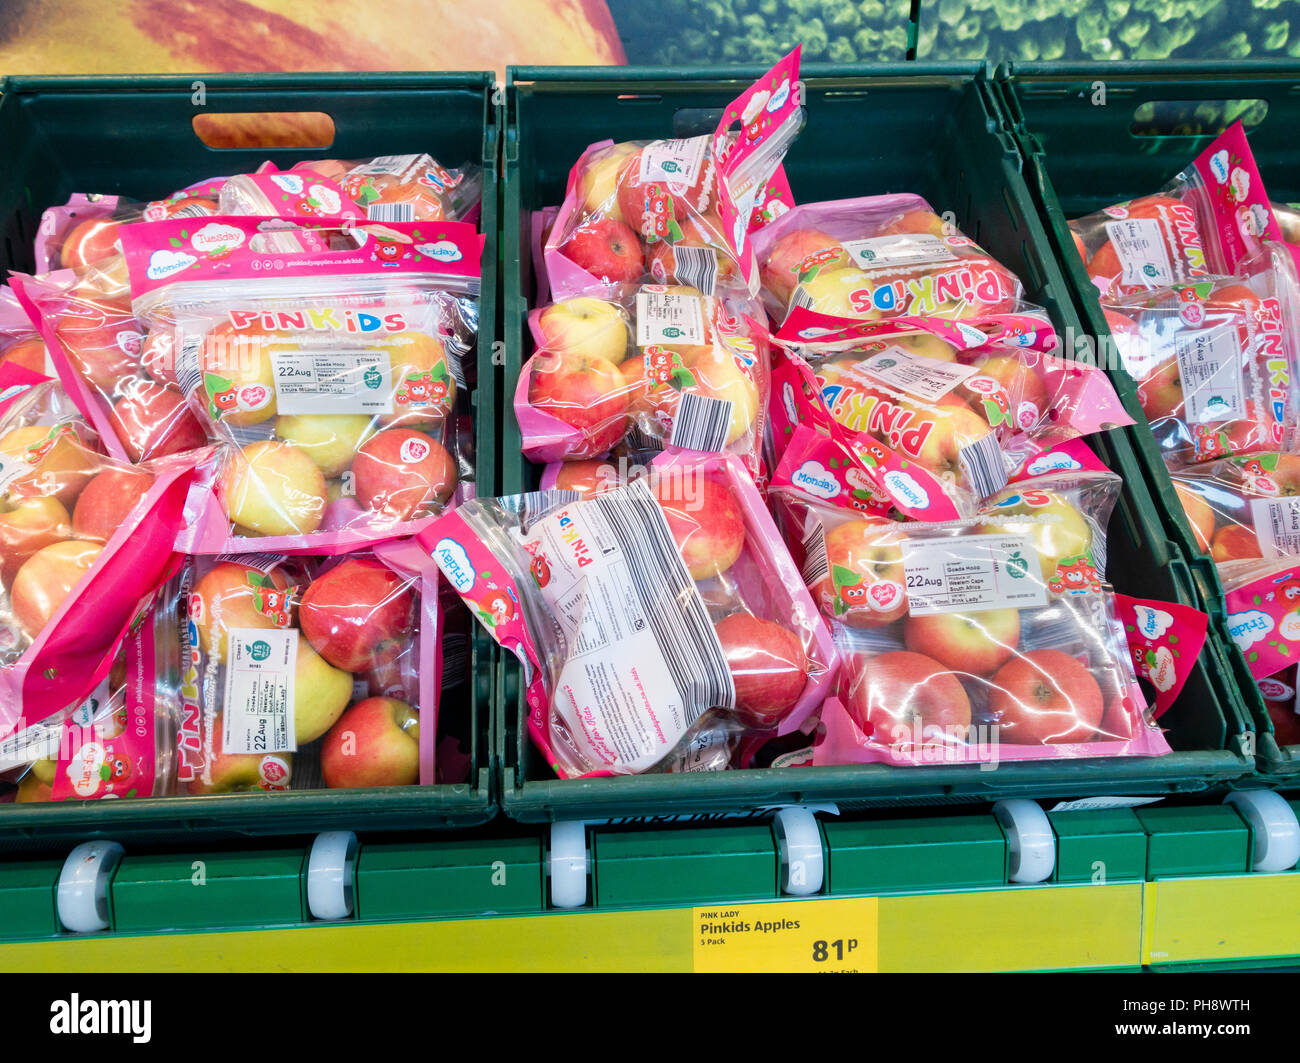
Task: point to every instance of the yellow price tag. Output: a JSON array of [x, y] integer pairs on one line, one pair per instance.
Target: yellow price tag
[[830, 935]]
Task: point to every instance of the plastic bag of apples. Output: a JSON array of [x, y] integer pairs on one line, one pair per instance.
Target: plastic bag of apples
[[20, 342], [990, 638], [675, 211], [638, 610], [1202, 223], [295, 670], [331, 388], [663, 366], [388, 188], [85, 540], [875, 257], [936, 413], [1214, 360]]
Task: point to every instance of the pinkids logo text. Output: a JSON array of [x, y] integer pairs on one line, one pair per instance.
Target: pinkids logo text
[[77, 1016], [572, 538], [325, 319]]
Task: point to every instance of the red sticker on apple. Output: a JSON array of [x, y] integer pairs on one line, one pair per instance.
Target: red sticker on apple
[[129, 341], [274, 771], [254, 397], [884, 595], [1116, 212], [414, 450]]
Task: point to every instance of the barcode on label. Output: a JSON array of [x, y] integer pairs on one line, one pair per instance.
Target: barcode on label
[[188, 374], [40, 741], [696, 266], [267, 563], [702, 423], [816, 567], [1209, 364], [638, 438], [1277, 526], [801, 298], [534, 505], [455, 660], [387, 212], [983, 466], [669, 600]]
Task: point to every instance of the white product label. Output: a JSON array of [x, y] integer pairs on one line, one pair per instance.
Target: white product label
[[675, 161], [666, 317], [972, 572], [1277, 526], [1092, 804], [12, 469], [312, 382], [258, 712], [38, 742], [917, 375], [1209, 365], [642, 661], [1140, 245], [904, 249], [388, 164]]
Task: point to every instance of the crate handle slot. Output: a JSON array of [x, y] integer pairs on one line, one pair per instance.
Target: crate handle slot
[[244, 130], [640, 97], [696, 121], [1195, 118]]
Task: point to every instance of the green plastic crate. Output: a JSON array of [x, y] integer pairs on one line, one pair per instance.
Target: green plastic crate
[[955, 153], [1081, 156], [134, 136]]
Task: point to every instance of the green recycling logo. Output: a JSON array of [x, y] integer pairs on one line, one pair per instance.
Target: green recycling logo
[[672, 332], [372, 378], [1017, 566], [260, 650]]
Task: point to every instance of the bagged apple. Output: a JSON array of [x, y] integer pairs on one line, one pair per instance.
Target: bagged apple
[[297, 673], [85, 542], [1203, 222], [389, 188], [123, 385], [120, 741], [937, 413], [1213, 361], [671, 368], [337, 388], [637, 611], [980, 639], [675, 211], [875, 257], [20, 342]]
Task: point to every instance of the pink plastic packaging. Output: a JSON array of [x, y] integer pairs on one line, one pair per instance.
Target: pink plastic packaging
[[1203, 222], [637, 611], [85, 543], [676, 211], [389, 188], [298, 673], [878, 256], [991, 638], [332, 381], [937, 413], [658, 367], [20, 342]]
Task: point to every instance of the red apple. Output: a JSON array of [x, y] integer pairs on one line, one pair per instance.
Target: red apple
[[46, 579], [227, 773], [403, 473], [158, 356], [107, 501], [152, 420], [768, 666], [916, 221], [1045, 697], [1116, 723], [588, 393], [970, 643], [1199, 514], [102, 341], [358, 615], [374, 743], [589, 477], [704, 518], [607, 249], [1235, 542], [797, 253], [87, 242], [234, 595], [1286, 723], [895, 695], [32, 525]]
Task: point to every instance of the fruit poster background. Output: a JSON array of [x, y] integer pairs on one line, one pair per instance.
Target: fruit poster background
[[175, 36]]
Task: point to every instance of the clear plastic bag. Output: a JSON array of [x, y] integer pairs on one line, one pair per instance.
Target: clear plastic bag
[[637, 611], [660, 366], [875, 257]]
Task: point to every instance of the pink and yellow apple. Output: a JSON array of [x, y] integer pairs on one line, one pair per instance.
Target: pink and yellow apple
[[599, 183], [594, 328], [1054, 526], [901, 694], [586, 392], [864, 580], [107, 501], [47, 578], [234, 595], [152, 420], [101, 339], [424, 388], [374, 743], [320, 694], [799, 252], [273, 488], [331, 440], [704, 518], [33, 524], [971, 643], [403, 474], [768, 666]]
